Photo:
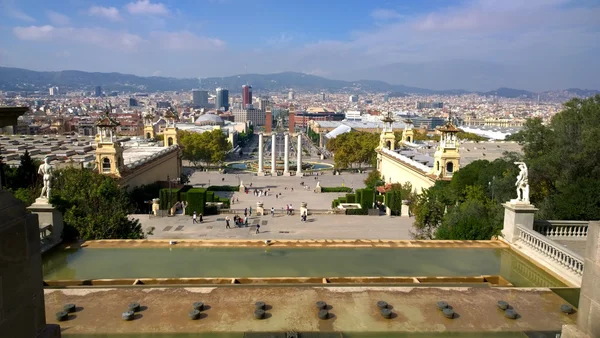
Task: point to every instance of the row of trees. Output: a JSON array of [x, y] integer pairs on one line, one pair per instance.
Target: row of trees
[[564, 178], [354, 148], [23, 181], [208, 148]]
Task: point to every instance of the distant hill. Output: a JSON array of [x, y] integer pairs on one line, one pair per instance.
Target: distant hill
[[582, 92], [509, 93]]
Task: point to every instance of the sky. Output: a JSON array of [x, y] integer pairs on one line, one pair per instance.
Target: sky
[[542, 44]]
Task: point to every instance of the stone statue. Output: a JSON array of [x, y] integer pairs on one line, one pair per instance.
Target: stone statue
[[46, 169], [522, 183], [241, 183], [318, 184]]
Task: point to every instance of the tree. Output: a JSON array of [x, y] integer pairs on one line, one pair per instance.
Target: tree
[[208, 147], [353, 148], [373, 179], [429, 209], [93, 206]]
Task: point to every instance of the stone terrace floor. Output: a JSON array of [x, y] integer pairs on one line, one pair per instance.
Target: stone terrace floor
[[230, 309]]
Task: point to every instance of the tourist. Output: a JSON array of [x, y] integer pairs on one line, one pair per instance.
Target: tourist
[[194, 221], [250, 211], [287, 209], [272, 211], [257, 228], [245, 211], [200, 217], [276, 196], [246, 220], [227, 222]]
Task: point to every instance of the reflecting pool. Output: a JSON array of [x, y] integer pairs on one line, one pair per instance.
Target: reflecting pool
[[110, 263]]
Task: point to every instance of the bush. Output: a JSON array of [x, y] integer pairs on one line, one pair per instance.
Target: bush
[[367, 198], [342, 200], [336, 189], [196, 199], [357, 211], [164, 198], [210, 196], [335, 203], [210, 210], [223, 188], [351, 198], [359, 194], [379, 198]]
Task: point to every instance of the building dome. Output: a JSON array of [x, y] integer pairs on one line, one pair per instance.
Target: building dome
[[209, 120]]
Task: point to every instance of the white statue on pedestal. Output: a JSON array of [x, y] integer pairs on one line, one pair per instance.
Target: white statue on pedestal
[[522, 183], [46, 169]]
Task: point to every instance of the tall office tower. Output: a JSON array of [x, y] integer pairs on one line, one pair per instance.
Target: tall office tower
[[53, 91], [323, 97], [98, 91], [353, 98], [263, 103], [268, 120], [386, 98], [291, 95], [199, 98], [246, 96], [133, 102], [222, 99]]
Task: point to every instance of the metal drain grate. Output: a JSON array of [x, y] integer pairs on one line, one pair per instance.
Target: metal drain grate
[[284, 232], [209, 227], [179, 228], [264, 222], [167, 228]]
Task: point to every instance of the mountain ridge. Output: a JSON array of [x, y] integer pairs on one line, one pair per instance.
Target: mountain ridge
[[19, 79]]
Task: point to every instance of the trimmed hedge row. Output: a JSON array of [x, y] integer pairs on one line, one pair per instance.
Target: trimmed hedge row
[[363, 196], [336, 189], [357, 211], [195, 197], [223, 188]]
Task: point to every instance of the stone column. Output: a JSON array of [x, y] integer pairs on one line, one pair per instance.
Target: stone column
[[273, 162], [517, 214], [261, 171], [286, 155], [588, 314], [299, 156]]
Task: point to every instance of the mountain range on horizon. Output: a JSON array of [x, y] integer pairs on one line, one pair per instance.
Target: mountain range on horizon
[[18, 79]]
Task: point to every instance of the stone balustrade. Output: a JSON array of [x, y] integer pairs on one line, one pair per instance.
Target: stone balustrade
[[562, 229], [563, 256]]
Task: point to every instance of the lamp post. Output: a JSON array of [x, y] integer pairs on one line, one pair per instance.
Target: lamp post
[[170, 192]]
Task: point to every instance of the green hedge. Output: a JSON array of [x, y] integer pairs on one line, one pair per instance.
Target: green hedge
[[210, 196], [164, 198], [335, 203], [351, 198], [359, 194], [367, 198], [393, 200], [196, 199], [336, 189], [379, 198], [357, 212], [342, 200], [223, 188], [211, 210]]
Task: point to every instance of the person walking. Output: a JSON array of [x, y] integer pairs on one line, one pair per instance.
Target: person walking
[[194, 216], [200, 217], [257, 228], [272, 211], [250, 211], [227, 223]]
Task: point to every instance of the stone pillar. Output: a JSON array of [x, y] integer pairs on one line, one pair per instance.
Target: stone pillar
[[299, 156], [303, 208], [261, 171], [517, 214], [321, 138], [273, 161], [156, 206], [405, 209], [286, 155], [260, 210], [48, 215], [588, 315]]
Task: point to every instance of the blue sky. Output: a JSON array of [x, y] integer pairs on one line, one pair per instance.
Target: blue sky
[[331, 38]]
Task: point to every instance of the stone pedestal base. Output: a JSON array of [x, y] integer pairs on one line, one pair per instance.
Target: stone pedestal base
[[286, 173], [242, 189], [155, 206], [388, 211], [299, 174], [260, 210], [404, 210], [303, 208], [48, 215], [518, 213], [260, 173], [318, 190]]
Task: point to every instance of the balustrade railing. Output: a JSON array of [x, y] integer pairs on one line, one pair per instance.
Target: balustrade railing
[[563, 256], [562, 229]]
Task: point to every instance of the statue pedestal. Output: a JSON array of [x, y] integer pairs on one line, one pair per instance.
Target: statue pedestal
[[303, 208], [48, 216], [260, 173], [318, 190], [260, 210], [155, 206], [517, 213], [405, 209], [287, 173], [242, 188]]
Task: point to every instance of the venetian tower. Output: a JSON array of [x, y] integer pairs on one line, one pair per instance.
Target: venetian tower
[[408, 135], [387, 139], [446, 157], [109, 153], [149, 125], [170, 133]]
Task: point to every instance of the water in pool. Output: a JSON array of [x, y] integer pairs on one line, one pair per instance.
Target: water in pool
[[89, 263]]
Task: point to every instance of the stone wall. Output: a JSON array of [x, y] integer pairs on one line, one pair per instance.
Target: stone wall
[[400, 172], [155, 170], [22, 311], [588, 318]]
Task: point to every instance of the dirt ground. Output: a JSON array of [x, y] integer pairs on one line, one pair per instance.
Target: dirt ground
[[231, 309]]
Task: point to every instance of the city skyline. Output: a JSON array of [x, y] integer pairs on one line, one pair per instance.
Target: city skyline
[[474, 45]]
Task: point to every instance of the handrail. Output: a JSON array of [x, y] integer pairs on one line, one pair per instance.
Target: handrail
[[562, 229], [551, 249]]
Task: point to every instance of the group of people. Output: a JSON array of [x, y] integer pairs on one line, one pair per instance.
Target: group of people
[[240, 222], [196, 219]]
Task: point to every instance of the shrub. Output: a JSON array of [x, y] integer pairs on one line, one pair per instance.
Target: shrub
[[342, 200], [210, 196], [357, 212], [335, 203], [223, 188], [211, 210], [351, 198], [359, 194], [379, 198], [196, 199], [367, 198], [336, 189], [164, 198]]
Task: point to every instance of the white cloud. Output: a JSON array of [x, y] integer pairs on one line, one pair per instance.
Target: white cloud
[[145, 7], [99, 37], [385, 14], [58, 19], [110, 13], [283, 39], [185, 40], [9, 8]]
